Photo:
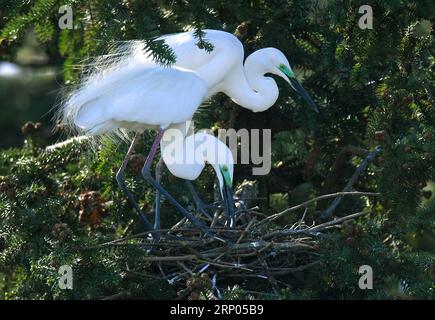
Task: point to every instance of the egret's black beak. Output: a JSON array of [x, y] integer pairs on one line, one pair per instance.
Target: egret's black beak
[[227, 195], [228, 200], [299, 89]]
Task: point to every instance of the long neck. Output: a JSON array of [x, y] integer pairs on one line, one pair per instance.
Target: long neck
[[249, 87]]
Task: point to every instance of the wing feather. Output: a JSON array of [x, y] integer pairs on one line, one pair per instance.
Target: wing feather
[[139, 95]]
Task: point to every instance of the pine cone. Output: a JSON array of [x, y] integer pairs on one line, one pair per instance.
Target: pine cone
[[136, 163], [8, 188], [28, 128], [52, 263], [92, 208], [242, 30], [380, 136]]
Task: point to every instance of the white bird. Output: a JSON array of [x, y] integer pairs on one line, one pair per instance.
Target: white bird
[[186, 157], [127, 90]]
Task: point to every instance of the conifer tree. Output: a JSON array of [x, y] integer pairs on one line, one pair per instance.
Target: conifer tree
[[374, 88]]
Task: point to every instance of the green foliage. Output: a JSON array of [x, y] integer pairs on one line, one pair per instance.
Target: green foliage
[[373, 87]]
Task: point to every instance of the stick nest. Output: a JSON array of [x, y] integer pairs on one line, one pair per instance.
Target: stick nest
[[255, 248]]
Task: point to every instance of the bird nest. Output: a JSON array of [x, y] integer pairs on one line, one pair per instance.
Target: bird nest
[[254, 248]]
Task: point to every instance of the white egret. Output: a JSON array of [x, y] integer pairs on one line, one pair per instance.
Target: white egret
[[129, 91]]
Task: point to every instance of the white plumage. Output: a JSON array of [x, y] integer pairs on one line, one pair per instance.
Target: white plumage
[[127, 90], [186, 159], [115, 105]]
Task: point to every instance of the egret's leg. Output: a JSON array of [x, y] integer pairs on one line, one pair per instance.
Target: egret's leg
[[147, 176], [200, 205], [158, 172], [120, 179]]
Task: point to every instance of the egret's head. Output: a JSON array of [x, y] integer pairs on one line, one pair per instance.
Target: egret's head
[[275, 62], [210, 149]]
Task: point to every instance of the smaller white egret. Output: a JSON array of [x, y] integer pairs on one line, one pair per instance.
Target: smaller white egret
[[186, 157]]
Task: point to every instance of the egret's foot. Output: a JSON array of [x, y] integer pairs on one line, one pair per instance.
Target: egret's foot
[[147, 176]]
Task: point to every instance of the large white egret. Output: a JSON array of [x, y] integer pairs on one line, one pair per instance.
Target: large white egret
[[127, 90]]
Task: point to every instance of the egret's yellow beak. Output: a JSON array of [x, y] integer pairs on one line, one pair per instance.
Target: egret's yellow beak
[[297, 86]]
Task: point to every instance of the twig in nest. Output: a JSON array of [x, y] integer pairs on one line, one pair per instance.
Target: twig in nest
[[339, 220]]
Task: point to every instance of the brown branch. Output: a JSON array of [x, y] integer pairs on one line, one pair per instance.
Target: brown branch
[[170, 259], [337, 169], [306, 203], [339, 220]]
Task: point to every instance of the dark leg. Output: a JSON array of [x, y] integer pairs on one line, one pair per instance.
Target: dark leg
[[120, 179], [228, 201], [158, 172], [198, 202], [157, 226], [147, 176], [230, 204]]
